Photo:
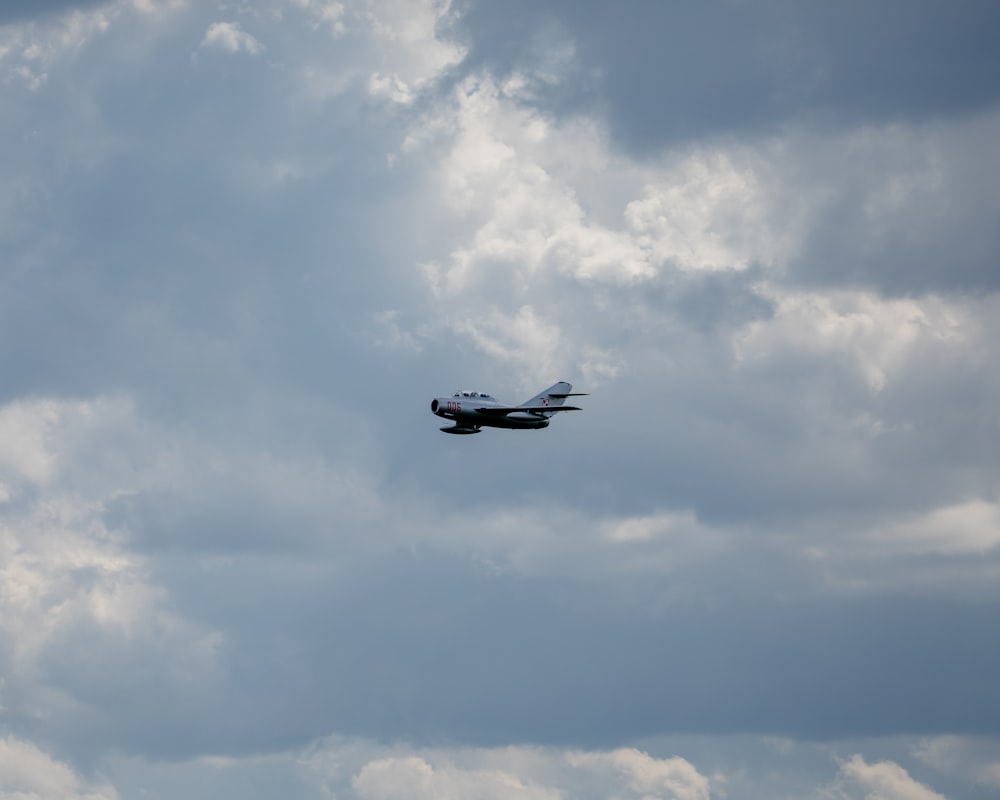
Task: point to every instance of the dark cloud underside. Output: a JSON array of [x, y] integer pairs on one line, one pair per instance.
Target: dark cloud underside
[[679, 70]]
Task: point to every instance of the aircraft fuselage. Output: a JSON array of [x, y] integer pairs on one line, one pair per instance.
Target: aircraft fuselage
[[464, 411]]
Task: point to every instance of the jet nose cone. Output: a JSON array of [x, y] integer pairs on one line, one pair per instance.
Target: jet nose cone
[[435, 405]]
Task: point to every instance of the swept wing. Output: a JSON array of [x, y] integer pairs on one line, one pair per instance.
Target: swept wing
[[503, 411]]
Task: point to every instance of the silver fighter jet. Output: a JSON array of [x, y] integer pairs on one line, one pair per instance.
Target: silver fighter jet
[[471, 411]]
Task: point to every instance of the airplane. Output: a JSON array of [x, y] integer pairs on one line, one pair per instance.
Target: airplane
[[471, 411]]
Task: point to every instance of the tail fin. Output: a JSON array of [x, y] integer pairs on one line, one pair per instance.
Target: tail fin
[[555, 395]]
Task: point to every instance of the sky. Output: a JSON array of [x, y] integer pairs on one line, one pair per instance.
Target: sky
[[244, 244]]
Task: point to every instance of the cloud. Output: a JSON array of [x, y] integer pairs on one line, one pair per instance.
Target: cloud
[[74, 590], [501, 171], [500, 773], [661, 82], [414, 777], [25, 429], [706, 214], [28, 53], [324, 12], [968, 758], [229, 36], [879, 335], [163, 564], [26, 771], [673, 778], [621, 773], [757, 769], [418, 55], [882, 781], [230, 296], [972, 527], [535, 227], [404, 47]]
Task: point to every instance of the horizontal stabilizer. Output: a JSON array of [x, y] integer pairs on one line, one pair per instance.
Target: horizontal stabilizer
[[568, 394]]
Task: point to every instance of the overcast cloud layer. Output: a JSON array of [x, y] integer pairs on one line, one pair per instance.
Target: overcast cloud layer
[[245, 243]]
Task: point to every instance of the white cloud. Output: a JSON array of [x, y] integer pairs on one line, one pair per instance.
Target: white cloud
[[878, 335], [29, 51], [644, 529], [27, 772], [749, 767], [542, 203], [406, 32], [229, 36], [324, 12], [400, 48], [884, 780], [387, 333], [965, 528], [524, 338], [26, 430], [973, 760], [707, 213], [538, 773], [649, 778], [63, 569], [873, 552], [501, 167], [413, 777], [544, 540], [156, 7]]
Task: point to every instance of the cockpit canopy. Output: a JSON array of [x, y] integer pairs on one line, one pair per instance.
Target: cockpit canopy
[[475, 396]]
